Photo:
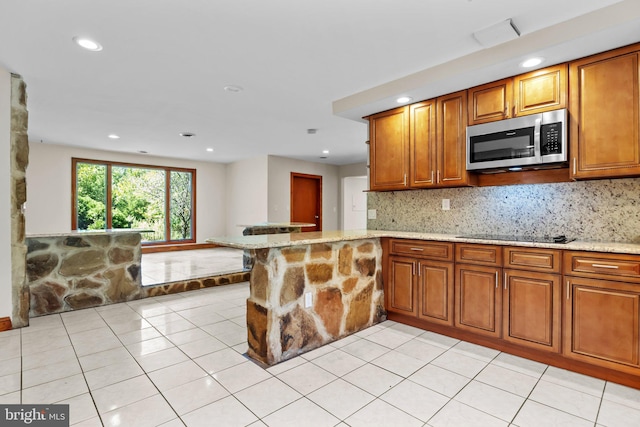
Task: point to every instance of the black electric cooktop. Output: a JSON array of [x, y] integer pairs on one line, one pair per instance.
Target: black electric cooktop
[[520, 238]]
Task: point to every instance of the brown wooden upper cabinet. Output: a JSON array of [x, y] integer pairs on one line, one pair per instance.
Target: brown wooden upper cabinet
[[530, 93], [605, 110], [420, 146], [389, 149]]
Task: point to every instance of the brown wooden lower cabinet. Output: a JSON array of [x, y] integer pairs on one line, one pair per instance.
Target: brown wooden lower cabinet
[[516, 300], [400, 292], [531, 309], [602, 323], [435, 291], [478, 297]]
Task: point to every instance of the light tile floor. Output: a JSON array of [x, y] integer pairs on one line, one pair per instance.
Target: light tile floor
[[178, 360], [165, 267]]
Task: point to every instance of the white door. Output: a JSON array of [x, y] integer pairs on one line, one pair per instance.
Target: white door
[[354, 203]]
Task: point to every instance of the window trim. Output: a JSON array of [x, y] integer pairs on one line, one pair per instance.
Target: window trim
[[109, 164]]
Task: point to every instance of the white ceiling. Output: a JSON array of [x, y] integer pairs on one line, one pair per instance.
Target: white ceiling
[[165, 63]]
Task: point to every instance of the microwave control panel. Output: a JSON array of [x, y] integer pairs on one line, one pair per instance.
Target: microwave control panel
[[551, 138]]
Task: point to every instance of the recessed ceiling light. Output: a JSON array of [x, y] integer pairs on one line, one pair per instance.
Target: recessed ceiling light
[[403, 99], [187, 134], [87, 44], [113, 136], [143, 152], [312, 131], [325, 151], [233, 88], [210, 150], [531, 62]]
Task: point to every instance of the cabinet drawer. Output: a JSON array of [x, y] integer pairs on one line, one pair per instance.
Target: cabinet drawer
[[603, 265], [423, 249], [479, 254], [534, 259]]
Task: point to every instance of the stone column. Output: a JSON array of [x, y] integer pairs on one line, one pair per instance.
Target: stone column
[[19, 162]]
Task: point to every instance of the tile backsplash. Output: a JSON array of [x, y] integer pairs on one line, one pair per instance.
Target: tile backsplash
[[603, 210]]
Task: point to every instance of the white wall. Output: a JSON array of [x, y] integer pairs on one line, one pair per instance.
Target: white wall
[[5, 193], [279, 176], [354, 203], [48, 207], [353, 169], [247, 193]]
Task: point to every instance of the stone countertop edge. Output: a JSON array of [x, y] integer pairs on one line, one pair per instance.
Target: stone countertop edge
[[296, 239], [76, 233], [277, 224]]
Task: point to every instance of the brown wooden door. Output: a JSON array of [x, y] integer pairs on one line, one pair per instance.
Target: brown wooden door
[[490, 102], [401, 296], [451, 170], [601, 324], [604, 115], [478, 299], [541, 90], [422, 142], [306, 200], [531, 309], [435, 291], [389, 149]]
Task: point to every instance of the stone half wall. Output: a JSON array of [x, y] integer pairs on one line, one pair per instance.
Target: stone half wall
[[345, 283], [197, 283], [70, 273]]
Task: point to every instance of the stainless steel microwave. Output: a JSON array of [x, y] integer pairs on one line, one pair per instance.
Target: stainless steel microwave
[[522, 142]]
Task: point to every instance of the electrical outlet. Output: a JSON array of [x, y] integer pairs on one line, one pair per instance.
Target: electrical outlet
[[308, 300], [371, 214], [446, 204]]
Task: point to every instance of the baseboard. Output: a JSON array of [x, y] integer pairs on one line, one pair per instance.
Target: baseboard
[[5, 324], [149, 249]]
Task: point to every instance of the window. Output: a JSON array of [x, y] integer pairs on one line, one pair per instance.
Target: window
[[119, 195]]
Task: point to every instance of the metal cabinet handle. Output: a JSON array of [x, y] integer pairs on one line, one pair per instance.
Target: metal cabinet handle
[[404, 182], [438, 180], [496, 280], [505, 280], [419, 268], [575, 163], [432, 177], [568, 286], [417, 249], [605, 266]]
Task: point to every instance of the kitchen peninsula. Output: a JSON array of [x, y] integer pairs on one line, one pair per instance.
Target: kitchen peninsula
[[308, 289], [573, 305]]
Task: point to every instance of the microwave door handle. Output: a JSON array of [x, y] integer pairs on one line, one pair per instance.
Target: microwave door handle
[[536, 140]]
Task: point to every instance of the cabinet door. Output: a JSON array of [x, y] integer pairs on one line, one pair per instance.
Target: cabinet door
[[604, 109], [435, 292], [400, 289], [490, 102], [478, 299], [389, 149], [422, 140], [531, 309], [541, 90], [451, 167], [601, 324]]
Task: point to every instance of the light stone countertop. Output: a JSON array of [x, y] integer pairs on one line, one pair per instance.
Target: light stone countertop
[[295, 239], [76, 233]]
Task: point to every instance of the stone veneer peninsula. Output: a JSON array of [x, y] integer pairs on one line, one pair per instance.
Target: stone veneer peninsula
[[309, 289]]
